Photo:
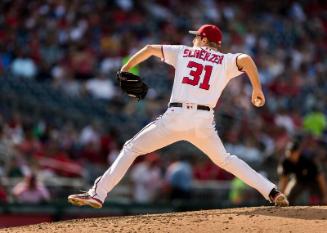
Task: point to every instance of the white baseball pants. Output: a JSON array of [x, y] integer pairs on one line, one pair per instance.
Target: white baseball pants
[[176, 124]]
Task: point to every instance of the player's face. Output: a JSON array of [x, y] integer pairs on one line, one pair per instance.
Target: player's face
[[294, 156]]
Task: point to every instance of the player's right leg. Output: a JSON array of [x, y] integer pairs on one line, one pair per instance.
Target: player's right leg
[[152, 137]]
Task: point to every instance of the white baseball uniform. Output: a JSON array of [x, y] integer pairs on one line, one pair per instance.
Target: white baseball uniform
[[201, 74]]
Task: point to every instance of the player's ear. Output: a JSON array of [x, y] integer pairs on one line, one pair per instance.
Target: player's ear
[[205, 40]]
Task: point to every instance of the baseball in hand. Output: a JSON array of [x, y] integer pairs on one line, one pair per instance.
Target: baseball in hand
[[257, 102]]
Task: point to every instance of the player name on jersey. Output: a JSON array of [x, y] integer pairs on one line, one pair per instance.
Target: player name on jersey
[[203, 55]]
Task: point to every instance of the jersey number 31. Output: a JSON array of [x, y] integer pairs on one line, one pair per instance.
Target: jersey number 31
[[195, 72]]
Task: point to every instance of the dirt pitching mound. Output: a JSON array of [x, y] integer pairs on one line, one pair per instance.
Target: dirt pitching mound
[[257, 219]]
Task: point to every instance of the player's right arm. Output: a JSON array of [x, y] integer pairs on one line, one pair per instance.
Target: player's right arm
[[246, 64], [142, 55]]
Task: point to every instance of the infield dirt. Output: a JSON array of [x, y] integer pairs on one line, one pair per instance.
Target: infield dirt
[[304, 219]]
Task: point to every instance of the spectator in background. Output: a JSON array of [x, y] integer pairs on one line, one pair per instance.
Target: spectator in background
[[15, 129], [58, 162], [83, 62], [315, 122], [3, 194], [64, 80], [30, 144], [14, 167], [30, 190], [205, 169], [110, 64], [248, 150], [23, 66], [5, 59], [90, 134], [100, 87], [146, 179], [179, 178], [6, 150], [307, 175], [284, 120], [237, 193]]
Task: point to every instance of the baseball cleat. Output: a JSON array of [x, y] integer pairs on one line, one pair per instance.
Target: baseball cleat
[[278, 198], [84, 199], [281, 200]]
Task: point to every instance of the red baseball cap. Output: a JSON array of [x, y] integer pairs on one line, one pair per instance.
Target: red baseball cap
[[210, 31]]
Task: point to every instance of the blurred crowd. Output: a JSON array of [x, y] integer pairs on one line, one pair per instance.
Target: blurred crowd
[[37, 150], [77, 45]]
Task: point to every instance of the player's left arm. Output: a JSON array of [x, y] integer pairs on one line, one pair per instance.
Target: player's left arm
[[142, 55], [246, 64]]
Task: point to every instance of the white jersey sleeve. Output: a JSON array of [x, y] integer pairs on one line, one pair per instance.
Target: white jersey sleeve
[[170, 53], [231, 67]]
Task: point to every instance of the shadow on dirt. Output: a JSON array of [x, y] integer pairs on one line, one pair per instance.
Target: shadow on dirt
[[297, 212]]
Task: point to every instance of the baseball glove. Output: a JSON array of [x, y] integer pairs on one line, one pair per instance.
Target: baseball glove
[[132, 85]]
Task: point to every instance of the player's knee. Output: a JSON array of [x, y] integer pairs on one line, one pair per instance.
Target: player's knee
[[130, 149], [227, 160]]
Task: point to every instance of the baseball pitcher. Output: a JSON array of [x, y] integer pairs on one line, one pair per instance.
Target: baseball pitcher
[[201, 74]]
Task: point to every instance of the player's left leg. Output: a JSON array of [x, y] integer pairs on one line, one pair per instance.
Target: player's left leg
[[213, 147]]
